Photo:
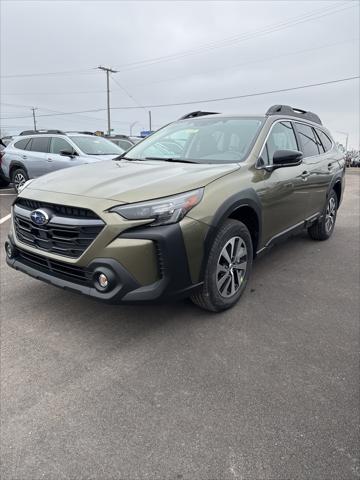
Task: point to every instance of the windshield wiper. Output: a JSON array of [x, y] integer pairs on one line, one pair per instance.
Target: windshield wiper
[[164, 159]]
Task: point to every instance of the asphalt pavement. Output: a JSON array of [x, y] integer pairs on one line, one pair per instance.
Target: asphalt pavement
[[267, 390]]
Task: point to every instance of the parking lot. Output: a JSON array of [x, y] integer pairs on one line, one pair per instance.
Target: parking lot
[[267, 390]]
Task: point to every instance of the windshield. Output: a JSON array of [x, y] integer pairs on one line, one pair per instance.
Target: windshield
[[96, 145], [205, 140]]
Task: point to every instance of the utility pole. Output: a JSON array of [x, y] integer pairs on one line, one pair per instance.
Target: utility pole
[[33, 111], [150, 120], [108, 71]]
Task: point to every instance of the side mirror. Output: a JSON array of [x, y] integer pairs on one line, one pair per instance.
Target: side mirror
[[286, 158], [66, 153]]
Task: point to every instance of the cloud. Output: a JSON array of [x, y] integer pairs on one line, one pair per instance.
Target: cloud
[[231, 48]]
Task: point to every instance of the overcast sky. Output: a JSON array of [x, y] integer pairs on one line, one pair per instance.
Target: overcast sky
[[211, 49]]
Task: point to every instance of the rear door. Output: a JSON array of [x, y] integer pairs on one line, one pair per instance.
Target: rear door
[[35, 156], [317, 164]]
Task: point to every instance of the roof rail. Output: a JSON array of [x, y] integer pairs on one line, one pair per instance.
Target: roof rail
[[294, 112], [78, 131], [198, 113], [39, 132]]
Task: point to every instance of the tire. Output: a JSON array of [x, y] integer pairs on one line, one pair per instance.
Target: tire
[[225, 282], [18, 178], [323, 228], [3, 182]]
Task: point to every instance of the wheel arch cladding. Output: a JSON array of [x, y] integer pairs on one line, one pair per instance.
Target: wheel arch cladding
[[15, 166], [337, 189], [244, 206]]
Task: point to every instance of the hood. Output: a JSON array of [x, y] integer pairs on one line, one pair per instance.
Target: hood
[[131, 181], [97, 158]]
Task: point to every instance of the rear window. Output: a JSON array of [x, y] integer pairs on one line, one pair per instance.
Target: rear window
[[40, 144], [308, 141], [21, 144], [325, 140]]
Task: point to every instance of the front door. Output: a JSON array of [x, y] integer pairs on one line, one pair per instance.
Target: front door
[[283, 191], [57, 161]]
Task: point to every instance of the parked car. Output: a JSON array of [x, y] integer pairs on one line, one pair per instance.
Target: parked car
[[6, 140], [37, 153], [160, 222], [122, 141], [3, 181], [355, 162], [135, 140]]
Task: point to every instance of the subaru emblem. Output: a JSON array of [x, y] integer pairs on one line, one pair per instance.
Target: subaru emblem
[[39, 217]]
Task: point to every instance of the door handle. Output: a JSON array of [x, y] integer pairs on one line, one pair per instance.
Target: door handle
[[330, 167], [50, 159], [24, 156], [305, 175]]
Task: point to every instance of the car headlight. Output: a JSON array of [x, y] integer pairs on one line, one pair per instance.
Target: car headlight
[[164, 210], [26, 184]]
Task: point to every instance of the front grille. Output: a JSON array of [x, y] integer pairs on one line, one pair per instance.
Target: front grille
[[62, 210], [53, 267], [69, 231]]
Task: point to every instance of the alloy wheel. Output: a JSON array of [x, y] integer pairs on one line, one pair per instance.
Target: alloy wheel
[[231, 267], [330, 215], [19, 180]]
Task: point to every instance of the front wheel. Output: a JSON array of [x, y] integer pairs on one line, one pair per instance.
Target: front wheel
[[228, 268], [323, 228]]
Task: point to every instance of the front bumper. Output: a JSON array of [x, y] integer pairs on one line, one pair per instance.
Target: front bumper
[[174, 277]]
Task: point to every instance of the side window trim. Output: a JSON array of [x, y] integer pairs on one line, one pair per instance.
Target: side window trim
[[28, 145], [328, 137], [320, 143]]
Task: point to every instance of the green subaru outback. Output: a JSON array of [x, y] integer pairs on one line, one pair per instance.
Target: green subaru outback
[[184, 212]]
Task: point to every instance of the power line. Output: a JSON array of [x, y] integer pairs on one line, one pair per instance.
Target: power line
[[230, 67], [45, 74], [209, 100], [314, 15], [250, 62], [235, 97], [125, 91]]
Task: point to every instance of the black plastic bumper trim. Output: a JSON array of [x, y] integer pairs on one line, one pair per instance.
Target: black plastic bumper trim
[[175, 281]]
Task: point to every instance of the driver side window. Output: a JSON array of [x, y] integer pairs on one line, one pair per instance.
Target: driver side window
[[282, 137], [59, 145]]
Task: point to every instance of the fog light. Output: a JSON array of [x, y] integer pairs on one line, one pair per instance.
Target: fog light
[[10, 251], [103, 280]]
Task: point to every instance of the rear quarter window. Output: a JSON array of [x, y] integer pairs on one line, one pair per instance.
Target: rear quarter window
[[21, 144]]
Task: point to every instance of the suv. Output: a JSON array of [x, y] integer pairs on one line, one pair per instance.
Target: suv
[[122, 141], [184, 212], [36, 153]]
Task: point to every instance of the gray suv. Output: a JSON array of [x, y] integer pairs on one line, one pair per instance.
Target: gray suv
[[33, 154]]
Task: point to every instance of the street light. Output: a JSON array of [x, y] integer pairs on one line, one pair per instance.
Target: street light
[[132, 125], [347, 139]]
